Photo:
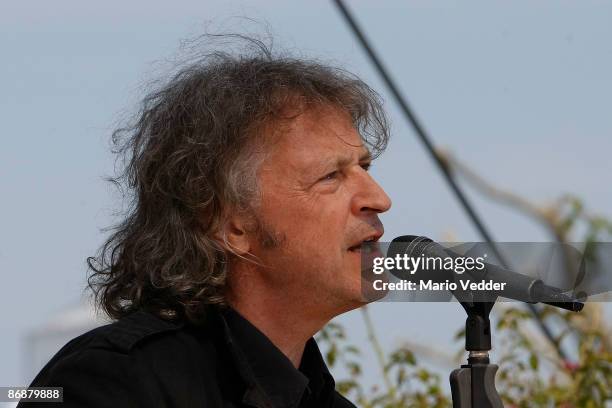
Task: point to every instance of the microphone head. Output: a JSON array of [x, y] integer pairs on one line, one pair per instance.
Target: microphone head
[[412, 246], [409, 238], [418, 247], [408, 244]]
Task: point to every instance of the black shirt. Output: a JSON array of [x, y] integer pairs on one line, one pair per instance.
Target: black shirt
[[286, 386], [142, 360]]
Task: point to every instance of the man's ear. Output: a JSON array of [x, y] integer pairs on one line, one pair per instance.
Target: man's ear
[[235, 234]]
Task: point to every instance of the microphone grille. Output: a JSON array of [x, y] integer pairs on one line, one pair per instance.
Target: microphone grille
[[412, 245]]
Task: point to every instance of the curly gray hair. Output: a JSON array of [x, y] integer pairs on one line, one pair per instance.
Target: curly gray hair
[[191, 156]]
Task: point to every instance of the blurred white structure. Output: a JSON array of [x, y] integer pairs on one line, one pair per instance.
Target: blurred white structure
[[42, 343]]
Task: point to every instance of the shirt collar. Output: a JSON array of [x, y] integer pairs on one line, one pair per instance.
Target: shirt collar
[[270, 372]]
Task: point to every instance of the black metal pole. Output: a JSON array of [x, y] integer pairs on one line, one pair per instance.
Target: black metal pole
[[426, 140]]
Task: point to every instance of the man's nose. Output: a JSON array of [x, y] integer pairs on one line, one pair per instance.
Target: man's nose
[[370, 196]]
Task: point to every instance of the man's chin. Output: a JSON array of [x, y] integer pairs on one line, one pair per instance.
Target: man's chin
[[369, 280], [359, 297], [350, 305], [368, 293]]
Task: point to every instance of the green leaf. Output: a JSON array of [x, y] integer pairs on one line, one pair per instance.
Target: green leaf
[[331, 355], [533, 361]]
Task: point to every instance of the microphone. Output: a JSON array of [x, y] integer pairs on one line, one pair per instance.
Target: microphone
[[517, 286]]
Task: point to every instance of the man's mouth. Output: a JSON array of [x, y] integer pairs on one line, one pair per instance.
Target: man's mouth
[[367, 245]]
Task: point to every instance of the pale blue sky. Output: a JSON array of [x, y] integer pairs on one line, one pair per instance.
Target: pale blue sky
[[520, 90]]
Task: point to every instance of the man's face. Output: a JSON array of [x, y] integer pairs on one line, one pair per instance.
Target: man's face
[[319, 203]]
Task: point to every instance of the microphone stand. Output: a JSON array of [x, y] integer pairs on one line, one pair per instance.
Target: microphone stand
[[473, 385]]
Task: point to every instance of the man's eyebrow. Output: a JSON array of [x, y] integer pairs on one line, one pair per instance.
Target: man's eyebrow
[[342, 162]]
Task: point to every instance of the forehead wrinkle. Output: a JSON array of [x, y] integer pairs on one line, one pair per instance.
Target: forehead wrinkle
[[346, 156], [346, 159], [341, 161], [324, 122]]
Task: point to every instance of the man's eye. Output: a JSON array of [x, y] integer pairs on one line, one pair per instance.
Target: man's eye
[[330, 176], [366, 166]]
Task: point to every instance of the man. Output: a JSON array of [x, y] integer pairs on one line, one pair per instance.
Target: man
[[251, 199]]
